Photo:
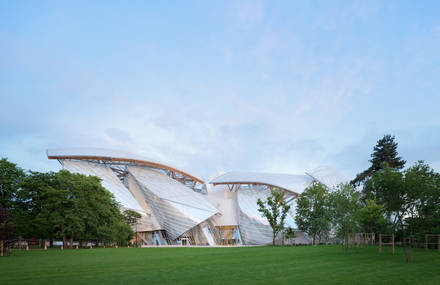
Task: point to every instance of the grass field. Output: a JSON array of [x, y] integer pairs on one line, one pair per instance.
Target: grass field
[[247, 265]]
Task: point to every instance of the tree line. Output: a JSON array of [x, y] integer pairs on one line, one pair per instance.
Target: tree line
[[385, 198], [59, 206]]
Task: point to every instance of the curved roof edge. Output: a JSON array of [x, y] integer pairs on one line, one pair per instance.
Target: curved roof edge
[[292, 183], [327, 176], [113, 155]]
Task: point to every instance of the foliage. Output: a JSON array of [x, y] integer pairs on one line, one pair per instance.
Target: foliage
[[274, 209], [289, 233], [313, 212], [387, 187], [410, 199], [345, 206], [422, 187], [371, 217], [131, 217], [6, 226], [10, 179], [62, 205], [384, 151]]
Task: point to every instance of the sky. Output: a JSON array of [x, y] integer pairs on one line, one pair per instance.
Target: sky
[[208, 86]]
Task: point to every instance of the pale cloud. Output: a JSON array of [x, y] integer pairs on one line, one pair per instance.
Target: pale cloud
[[250, 13], [275, 88]]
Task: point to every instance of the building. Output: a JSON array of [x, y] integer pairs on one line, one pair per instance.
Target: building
[[178, 208]]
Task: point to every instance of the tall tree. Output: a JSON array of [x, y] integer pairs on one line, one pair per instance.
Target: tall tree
[[68, 206], [274, 209], [32, 218], [387, 187], [422, 186], [313, 212], [10, 180], [384, 151], [6, 226], [371, 216], [132, 218], [345, 203]]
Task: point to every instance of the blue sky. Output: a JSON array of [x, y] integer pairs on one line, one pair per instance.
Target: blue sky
[[221, 85]]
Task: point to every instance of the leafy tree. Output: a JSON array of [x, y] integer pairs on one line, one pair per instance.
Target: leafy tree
[[131, 217], [274, 209], [345, 203], [313, 213], [32, 218], [288, 233], [422, 186], [388, 188], [10, 179], [68, 206], [124, 233], [6, 226], [371, 216], [384, 151]]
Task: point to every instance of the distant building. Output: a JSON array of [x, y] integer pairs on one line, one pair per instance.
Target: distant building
[[178, 208]]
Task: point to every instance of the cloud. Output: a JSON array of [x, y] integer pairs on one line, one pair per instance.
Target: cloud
[[250, 13], [273, 88]]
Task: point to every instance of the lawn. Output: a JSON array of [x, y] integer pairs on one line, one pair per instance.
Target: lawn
[[247, 265]]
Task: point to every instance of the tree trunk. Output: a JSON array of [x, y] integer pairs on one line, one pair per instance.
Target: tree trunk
[[71, 241], [64, 237], [346, 243], [273, 238], [314, 240]]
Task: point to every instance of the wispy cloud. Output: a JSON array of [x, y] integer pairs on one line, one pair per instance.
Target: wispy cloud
[[259, 86]]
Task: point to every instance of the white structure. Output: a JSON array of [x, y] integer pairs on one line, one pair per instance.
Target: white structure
[[248, 187], [179, 208]]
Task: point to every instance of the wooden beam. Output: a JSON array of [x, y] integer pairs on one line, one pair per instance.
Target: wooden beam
[[134, 161]]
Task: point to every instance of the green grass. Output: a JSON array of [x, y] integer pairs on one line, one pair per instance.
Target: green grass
[[250, 265]]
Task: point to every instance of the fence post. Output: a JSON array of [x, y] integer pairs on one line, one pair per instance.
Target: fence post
[[393, 242], [438, 243], [380, 242], [426, 242]]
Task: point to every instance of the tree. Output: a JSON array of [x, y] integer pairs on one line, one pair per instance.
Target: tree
[[313, 213], [384, 151], [32, 218], [288, 233], [345, 204], [68, 206], [387, 187], [422, 186], [10, 179], [274, 209], [6, 226], [131, 217], [371, 216]]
